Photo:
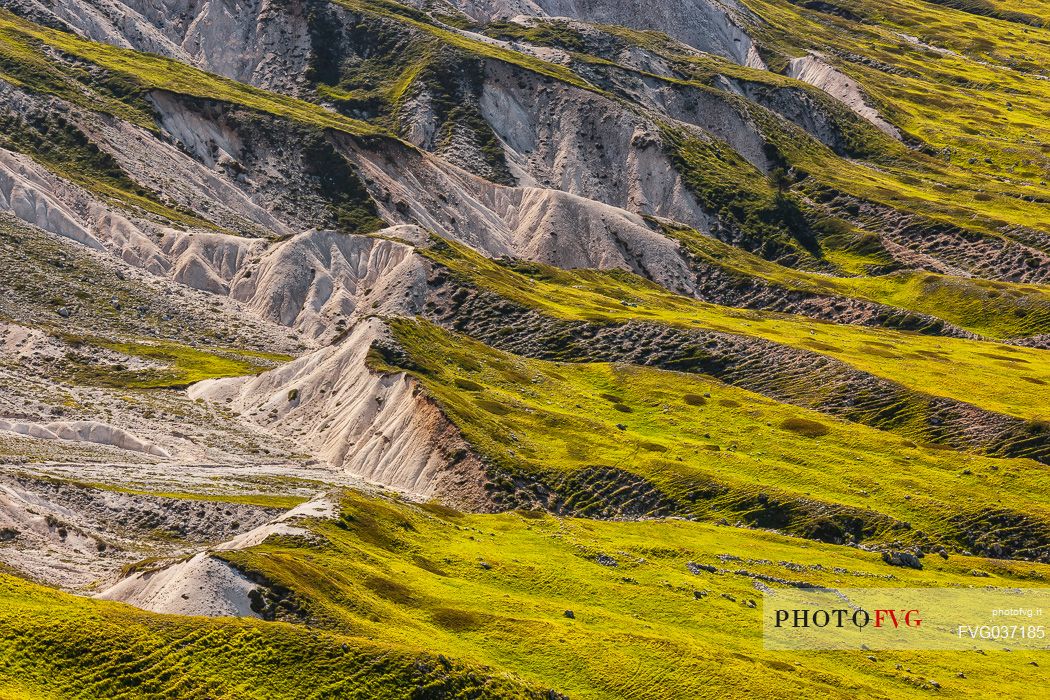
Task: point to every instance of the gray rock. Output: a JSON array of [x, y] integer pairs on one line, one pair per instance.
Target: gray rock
[[898, 558]]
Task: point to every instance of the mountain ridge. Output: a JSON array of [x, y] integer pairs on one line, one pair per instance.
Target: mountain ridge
[[621, 287]]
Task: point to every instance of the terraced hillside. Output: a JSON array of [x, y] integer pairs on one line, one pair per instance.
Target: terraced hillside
[[514, 348]]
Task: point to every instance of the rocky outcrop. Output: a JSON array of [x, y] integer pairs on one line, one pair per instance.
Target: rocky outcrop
[[815, 71], [379, 427], [202, 585], [76, 536], [206, 585], [85, 431], [318, 281], [263, 42], [714, 26]]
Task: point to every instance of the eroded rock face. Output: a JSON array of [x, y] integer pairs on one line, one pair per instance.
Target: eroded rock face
[[565, 138], [813, 70], [244, 213], [714, 26], [263, 42], [379, 427], [85, 431], [203, 585], [76, 536], [320, 279]]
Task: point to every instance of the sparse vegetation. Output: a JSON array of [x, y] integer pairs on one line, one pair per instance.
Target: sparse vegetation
[[178, 365], [644, 465], [59, 644], [149, 71], [564, 421], [934, 365]]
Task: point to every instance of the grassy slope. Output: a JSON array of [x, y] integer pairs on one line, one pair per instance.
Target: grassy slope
[[263, 500], [180, 365], [921, 95], [144, 71], [414, 575], [901, 178], [114, 314], [689, 434], [391, 585], [59, 645], [1000, 378], [992, 309], [982, 102], [420, 21], [408, 577]]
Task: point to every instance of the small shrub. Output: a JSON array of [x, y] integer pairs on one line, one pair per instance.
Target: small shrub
[[468, 385], [805, 427], [456, 620], [652, 447], [493, 407]]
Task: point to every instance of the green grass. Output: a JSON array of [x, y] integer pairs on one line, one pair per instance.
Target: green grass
[[1001, 378], [390, 586], [986, 8], [182, 365], [743, 198], [708, 448], [58, 645], [128, 75], [420, 21], [263, 500], [413, 575], [66, 151], [993, 309], [980, 114], [981, 110]]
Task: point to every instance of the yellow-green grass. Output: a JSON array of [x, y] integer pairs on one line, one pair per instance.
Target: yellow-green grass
[[493, 590], [690, 435], [418, 20], [984, 101], [980, 196], [22, 64], [390, 586], [989, 308], [924, 101], [56, 645], [263, 500], [1001, 378], [182, 365]]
